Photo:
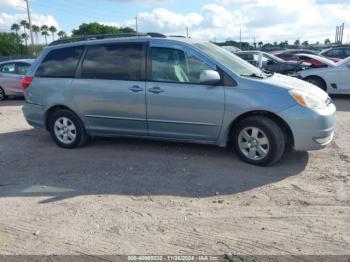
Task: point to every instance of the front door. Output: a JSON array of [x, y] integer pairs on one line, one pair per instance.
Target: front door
[[110, 93], [178, 105]]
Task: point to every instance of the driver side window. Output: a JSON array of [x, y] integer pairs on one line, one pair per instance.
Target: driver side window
[[177, 66]]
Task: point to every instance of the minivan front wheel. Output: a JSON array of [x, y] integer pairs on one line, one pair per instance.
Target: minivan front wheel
[[259, 140], [2, 94], [66, 129]]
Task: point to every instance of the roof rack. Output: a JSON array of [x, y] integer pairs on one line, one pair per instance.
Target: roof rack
[[103, 36]]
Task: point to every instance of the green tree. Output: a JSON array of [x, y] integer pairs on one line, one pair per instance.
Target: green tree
[[44, 31], [297, 42], [36, 31], [15, 27], [260, 44], [62, 34], [53, 30], [98, 29], [9, 43], [305, 43]]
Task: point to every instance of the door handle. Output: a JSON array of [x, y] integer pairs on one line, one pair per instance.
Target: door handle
[[155, 90], [135, 89]]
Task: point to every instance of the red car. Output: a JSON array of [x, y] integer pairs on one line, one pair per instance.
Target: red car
[[292, 55], [315, 60], [288, 54]]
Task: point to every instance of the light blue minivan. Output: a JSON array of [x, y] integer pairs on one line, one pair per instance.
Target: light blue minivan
[[173, 88]]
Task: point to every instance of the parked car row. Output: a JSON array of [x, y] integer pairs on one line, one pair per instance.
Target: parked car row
[[331, 75]]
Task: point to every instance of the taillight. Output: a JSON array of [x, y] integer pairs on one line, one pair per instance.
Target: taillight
[[26, 81]]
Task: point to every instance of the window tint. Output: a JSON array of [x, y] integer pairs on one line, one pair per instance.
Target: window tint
[[172, 65], [60, 62], [118, 61], [9, 68], [347, 52], [22, 68]]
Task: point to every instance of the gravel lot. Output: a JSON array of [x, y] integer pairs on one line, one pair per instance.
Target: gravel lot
[[127, 196]]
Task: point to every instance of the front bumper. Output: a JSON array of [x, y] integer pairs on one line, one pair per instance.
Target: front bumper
[[34, 114], [312, 129]]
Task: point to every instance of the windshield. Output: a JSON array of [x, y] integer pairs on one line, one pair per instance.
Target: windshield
[[344, 61], [231, 61]]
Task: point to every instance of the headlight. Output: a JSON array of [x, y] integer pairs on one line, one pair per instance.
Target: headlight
[[306, 99]]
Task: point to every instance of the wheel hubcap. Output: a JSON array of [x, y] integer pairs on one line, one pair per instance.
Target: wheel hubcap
[[253, 143], [65, 130]]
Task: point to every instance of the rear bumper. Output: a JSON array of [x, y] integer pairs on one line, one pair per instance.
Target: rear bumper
[[312, 129], [34, 114]]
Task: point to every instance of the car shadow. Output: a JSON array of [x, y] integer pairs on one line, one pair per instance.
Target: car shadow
[[12, 101], [342, 102], [32, 165]]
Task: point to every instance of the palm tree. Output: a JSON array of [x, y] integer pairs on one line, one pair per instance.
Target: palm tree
[[15, 27], [327, 41], [25, 37], [62, 34], [24, 23], [44, 31], [36, 30], [53, 30]]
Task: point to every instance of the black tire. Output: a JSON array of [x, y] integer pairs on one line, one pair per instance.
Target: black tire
[[80, 134], [317, 81], [2, 94], [272, 131]]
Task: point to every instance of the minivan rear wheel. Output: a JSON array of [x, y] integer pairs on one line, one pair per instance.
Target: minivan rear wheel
[[259, 140], [67, 130]]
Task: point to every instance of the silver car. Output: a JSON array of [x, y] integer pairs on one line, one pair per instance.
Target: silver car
[[176, 89], [11, 74]]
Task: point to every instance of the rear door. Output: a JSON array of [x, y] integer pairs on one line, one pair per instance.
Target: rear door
[[178, 105], [109, 90]]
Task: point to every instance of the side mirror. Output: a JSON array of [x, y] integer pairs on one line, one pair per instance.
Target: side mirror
[[209, 77]]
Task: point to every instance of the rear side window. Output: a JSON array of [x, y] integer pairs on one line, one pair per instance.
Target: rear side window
[[60, 62], [22, 68], [114, 62], [335, 52]]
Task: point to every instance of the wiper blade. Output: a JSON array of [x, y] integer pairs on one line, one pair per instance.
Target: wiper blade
[[253, 75], [269, 73]]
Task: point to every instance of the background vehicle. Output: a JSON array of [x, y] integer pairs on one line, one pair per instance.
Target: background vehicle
[[336, 52], [176, 89], [334, 79], [11, 74], [288, 54], [231, 49], [272, 63], [315, 61]]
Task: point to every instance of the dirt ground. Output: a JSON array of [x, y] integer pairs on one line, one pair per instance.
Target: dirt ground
[[127, 196]]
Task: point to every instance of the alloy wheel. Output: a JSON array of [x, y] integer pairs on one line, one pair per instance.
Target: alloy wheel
[[253, 143], [65, 130]]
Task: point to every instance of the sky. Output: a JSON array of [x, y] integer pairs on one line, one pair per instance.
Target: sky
[[215, 20]]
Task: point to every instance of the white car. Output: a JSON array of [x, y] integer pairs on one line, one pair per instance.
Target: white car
[[334, 78]]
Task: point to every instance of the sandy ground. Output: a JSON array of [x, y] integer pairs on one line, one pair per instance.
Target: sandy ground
[[125, 196]]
